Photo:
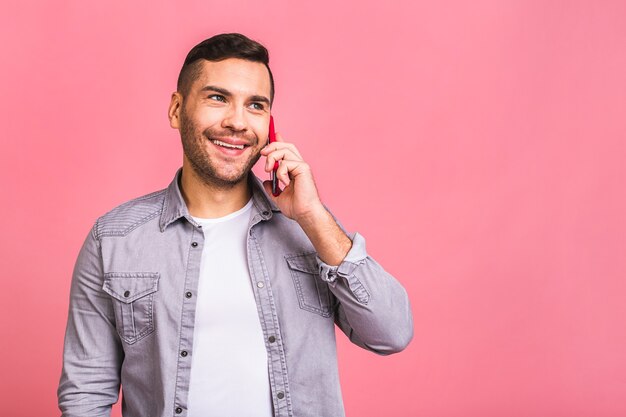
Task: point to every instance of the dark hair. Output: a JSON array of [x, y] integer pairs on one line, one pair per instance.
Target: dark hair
[[219, 48]]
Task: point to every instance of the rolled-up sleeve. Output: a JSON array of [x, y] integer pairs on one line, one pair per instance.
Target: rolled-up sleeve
[[374, 309], [92, 353]]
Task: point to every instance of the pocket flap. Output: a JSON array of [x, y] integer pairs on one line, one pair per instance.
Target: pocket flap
[[129, 286], [305, 262]]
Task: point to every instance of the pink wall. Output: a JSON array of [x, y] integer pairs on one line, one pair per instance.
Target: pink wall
[[477, 145]]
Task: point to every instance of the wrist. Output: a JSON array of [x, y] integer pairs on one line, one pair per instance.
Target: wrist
[[315, 215]]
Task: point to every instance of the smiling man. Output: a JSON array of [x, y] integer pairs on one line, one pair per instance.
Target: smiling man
[[212, 297]]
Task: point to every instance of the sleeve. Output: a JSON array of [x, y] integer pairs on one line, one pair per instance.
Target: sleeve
[[374, 309], [92, 353]]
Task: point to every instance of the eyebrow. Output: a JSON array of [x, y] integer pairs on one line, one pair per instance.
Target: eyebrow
[[227, 93]]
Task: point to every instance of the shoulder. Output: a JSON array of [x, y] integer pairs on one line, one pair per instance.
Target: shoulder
[[127, 216]]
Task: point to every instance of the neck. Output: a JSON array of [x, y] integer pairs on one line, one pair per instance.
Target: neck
[[209, 201]]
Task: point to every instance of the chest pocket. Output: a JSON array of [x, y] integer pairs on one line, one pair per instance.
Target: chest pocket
[[133, 298], [313, 293]]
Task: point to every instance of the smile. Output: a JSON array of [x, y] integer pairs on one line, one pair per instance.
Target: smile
[[227, 145]]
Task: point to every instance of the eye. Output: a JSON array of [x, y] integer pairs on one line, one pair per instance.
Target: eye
[[258, 106], [217, 97]]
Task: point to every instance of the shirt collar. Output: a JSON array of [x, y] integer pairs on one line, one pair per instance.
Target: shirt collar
[[174, 206]]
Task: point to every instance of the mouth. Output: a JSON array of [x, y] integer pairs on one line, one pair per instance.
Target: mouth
[[230, 149], [228, 145]]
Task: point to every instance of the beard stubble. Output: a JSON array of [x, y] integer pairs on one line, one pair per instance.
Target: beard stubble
[[194, 146]]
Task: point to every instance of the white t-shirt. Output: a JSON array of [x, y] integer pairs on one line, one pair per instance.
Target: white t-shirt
[[229, 373]]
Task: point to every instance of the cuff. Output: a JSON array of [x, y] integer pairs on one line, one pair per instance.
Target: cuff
[[353, 258]]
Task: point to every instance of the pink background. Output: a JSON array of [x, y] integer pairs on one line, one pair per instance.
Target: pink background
[[477, 145]]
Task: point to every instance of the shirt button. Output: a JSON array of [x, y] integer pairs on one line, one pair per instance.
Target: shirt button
[[126, 293], [194, 244], [188, 294], [266, 213], [183, 353], [280, 395], [272, 339], [178, 410], [260, 284]]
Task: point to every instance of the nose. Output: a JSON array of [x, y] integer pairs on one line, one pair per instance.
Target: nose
[[235, 119]]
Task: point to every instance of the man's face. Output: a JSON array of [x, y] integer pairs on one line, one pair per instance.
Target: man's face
[[224, 120]]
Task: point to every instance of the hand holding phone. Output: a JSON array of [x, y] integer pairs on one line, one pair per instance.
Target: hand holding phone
[[273, 176]]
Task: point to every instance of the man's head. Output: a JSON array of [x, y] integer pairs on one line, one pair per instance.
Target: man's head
[[218, 48], [223, 99]]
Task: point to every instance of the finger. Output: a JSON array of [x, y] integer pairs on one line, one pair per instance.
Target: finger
[[278, 155], [280, 145], [282, 173], [288, 170]]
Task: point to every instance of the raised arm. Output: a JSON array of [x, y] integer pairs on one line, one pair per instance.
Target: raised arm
[[374, 309]]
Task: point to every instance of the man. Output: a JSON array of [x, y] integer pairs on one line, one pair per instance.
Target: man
[[213, 297]]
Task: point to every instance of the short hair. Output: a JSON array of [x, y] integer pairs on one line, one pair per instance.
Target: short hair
[[219, 48]]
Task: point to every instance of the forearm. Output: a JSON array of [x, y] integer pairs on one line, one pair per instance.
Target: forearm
[[329, 240]]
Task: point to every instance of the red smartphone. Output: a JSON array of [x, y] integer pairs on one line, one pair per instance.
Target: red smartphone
[[273, 177]]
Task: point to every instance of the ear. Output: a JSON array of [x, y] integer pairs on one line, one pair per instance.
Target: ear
[[173, 112]]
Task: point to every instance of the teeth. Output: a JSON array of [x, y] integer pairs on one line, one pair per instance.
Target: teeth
[[227, 145]]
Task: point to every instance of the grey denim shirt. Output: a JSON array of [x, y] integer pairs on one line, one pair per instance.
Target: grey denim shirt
[[133, 298]]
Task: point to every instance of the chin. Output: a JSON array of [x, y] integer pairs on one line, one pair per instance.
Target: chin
[[231, 180]]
